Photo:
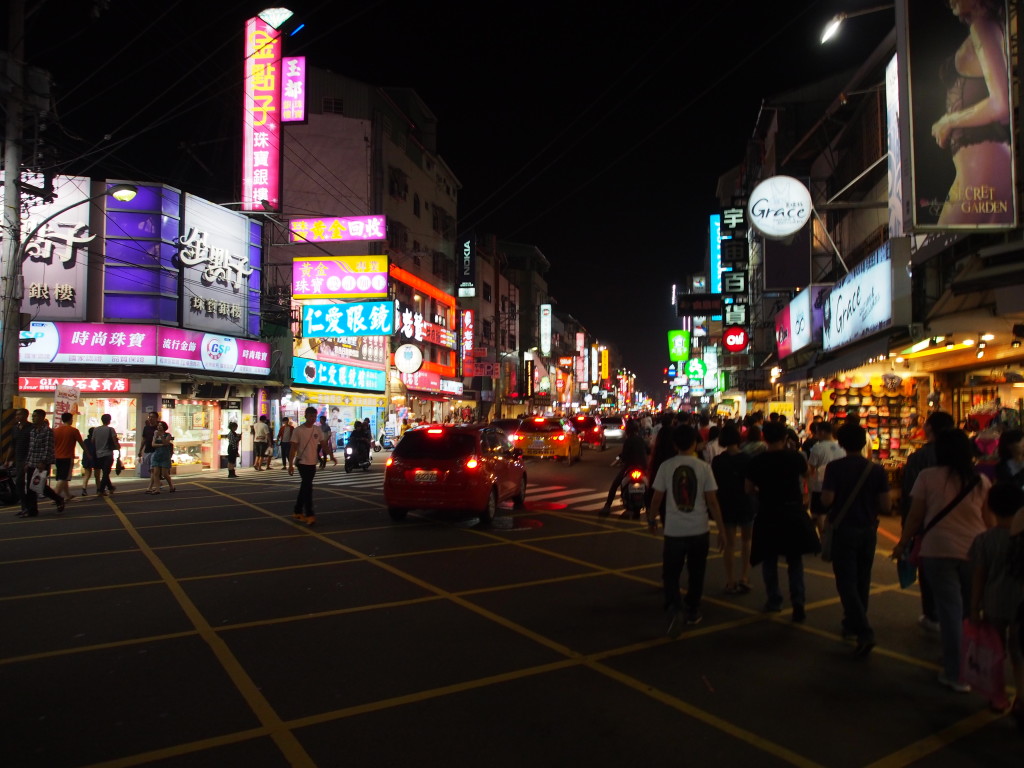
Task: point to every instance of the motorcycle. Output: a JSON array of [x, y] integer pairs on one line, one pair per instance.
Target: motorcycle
[[634, 492], [383, 441], [357, 455]]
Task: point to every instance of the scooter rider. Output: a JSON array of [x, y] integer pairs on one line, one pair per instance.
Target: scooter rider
[[633, 454], [360, 440]]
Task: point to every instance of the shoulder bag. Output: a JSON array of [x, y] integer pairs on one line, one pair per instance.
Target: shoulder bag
[[830, 525], [915, 547]]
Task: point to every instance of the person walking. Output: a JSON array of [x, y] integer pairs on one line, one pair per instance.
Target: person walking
[[105, 437], [284, 439], [730, 470], [948, 509], [823, 452], [782, 527], [327, 444], [17, 454], [65, 436], [234, 439], [924, 457], [39, 459], [687, 485], [307, 440], [144, 450], [88, 461], [854, 491], [261, 441], [160, 461]]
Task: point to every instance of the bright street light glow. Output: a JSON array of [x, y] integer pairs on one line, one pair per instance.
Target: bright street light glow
[[832, 27]]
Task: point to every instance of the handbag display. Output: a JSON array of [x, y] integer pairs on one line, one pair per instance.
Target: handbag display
[[828, 533], [918, 540]]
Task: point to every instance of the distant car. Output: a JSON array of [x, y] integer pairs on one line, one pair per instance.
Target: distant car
[[454, 467], [614, 427], [591, 429], [550, 437], [509, 426]]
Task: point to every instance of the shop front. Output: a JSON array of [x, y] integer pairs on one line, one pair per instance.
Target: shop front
[[341, 391]]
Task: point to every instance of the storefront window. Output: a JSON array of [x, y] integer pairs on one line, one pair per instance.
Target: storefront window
[[192, 424]]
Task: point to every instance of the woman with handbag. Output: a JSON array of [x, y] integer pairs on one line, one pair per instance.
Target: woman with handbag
[[947, 511], [854, 490]]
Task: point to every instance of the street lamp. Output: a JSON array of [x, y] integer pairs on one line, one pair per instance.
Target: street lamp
[[11, 298], [832, 28]]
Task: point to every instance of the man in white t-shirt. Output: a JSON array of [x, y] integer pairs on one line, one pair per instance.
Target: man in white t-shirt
[[823, 452], [688, 486], [261, 440]]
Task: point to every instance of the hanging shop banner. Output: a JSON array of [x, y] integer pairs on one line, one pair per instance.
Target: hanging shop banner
[[319, 373], [955, 86], [367, 318], [96, 343], [261, 117], [465, 274], [861, 303], [339, 229], [55, 262], [65, 400], [293, 89], [340, 277]]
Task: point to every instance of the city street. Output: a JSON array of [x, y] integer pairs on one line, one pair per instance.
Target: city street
[[207, 628]]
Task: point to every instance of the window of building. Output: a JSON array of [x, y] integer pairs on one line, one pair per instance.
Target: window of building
[[416, 204], [487, 292], [512, 341], [398, 184], [486, 331], [333, 106]]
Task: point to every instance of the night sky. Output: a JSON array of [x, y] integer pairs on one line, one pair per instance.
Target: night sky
[[595, 131]]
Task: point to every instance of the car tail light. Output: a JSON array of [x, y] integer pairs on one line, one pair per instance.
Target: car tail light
[[515, 437], [636, 474], [472, 463], [561, 438], [435, 431], [597, 429], [389, 462], [539, 420]]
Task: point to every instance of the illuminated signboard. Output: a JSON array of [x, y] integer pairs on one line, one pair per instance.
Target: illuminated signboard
[[695, 368], [261, 117], [860, 304], [466, 272], [92, 384], [735, 339], [410, 324], [338, 229], [678, 346], [321, 373], [340, 277], [779, 207], [293, 89], [545, 329], [467, 332], [91, 343], [366, 318]]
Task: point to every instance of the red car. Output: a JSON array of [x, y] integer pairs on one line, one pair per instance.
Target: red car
[[454, 467], [591, 431]]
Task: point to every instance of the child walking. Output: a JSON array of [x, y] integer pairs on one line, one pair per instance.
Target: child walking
[[995, 594]]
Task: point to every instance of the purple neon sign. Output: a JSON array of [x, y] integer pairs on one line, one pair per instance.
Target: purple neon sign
[[338, 229], [340, 277], [293, 89]]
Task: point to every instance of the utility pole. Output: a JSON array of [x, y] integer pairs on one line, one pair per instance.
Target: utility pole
[[10, 293]]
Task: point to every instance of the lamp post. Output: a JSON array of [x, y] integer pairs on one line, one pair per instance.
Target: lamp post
[[14, 254]]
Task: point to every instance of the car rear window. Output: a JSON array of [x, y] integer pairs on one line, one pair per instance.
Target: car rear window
[[612, 421], [548, 425], [587, 422], [423, 444]]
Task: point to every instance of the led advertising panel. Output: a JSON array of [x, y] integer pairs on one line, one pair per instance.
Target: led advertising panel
[[340, 277], [320, 373], [261, 117], [293, 89], [860, 304], [545, 329], [678, 346], [338, 229]]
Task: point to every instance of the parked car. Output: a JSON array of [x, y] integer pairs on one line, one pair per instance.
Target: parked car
[[550, 437], [454, 467], [591, 429], [614, 427]]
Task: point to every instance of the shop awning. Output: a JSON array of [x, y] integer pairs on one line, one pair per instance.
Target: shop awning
[[419, 394], [203, 378], [855, 357]]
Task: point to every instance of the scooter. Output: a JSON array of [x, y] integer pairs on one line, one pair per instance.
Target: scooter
[[634, 492], [357, 455], [383, 441]]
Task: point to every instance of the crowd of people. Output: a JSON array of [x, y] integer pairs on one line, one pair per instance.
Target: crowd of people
[[787, 494]]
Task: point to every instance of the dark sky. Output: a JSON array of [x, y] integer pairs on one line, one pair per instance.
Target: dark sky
[[596, 131]]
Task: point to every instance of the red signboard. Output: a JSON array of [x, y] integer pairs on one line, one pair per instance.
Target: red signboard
[[735, 339], [84, 384]]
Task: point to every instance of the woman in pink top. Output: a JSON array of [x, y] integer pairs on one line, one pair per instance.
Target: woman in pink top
[[945, 546]]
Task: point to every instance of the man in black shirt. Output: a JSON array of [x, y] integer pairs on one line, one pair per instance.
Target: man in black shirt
[[633, 454], [20, 433], [855, 538], [782, 526]]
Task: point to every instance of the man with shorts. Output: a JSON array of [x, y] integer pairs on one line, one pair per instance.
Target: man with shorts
[[65, 437], [261, 439]]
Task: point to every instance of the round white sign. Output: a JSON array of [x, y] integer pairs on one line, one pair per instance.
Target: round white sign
[[408, 358], [779, 207]]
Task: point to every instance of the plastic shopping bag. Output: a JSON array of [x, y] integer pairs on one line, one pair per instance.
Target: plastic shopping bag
[[983, 658], [37, 482], [144, 465]]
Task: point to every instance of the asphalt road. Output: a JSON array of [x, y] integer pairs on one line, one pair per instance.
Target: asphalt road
[[207, 628]]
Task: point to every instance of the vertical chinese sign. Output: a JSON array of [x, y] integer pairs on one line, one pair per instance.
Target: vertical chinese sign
[[293, 90], [261, 117]]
